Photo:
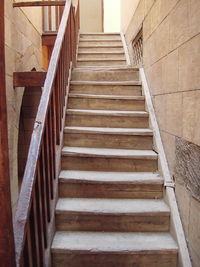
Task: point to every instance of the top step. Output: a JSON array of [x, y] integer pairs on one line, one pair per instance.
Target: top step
[[108, 36]]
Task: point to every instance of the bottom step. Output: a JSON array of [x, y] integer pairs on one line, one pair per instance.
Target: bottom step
[[114, 249]]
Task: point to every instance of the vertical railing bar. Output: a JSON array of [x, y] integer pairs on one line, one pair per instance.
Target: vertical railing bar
[[51, 147], [29, 257], [34, 232], [42, 180], [49, 18], [40, 214], [40, 177], [54, 130], [48, 194], [57, 109], [47, 159]]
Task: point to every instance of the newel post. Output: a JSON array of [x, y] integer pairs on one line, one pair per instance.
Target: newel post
[[7, 251]]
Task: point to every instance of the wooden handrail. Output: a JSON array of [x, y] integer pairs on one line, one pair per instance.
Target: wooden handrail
[[34, 215], [39, 3]]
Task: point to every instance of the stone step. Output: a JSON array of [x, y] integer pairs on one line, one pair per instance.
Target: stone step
[[91, 184], [111, 215], [94, 41], [121, 138], [100, 36], [106, 88], [106, 75], [102, 102], [101, 48], [101, 55], [100, 62], [80, 249], [104, 159], [107, 118]]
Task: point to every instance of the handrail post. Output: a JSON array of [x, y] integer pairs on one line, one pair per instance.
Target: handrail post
[[7, 251]]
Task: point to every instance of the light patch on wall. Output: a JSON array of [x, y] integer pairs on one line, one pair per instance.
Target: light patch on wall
[[112, 15]]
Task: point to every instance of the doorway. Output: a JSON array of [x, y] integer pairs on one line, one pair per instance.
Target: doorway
[[112, 15]]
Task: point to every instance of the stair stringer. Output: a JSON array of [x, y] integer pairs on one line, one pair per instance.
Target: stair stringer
[[176, 227]]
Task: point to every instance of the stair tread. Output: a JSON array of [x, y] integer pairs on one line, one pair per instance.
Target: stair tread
[[104, 130], [100, 53], [107, 112], [110, 177], [105, 83], [120, 97], [116, 206], [100, 40], [99, 68], [102, 45], [106, 152], [99, 242], [100, 59], [100, 33]]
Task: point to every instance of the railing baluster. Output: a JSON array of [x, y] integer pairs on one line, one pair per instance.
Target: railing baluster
[[57, 99], [37, 195], [42, 181], [47, 159], [40, 214], [27, 255], [34, 232], [137, 45]]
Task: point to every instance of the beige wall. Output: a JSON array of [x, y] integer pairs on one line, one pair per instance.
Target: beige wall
[[23, 52], [91, 15], [127, 9], [171, 33]]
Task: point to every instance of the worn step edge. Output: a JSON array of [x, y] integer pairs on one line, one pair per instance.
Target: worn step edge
[[100, 40], [112, 97], [111, 68], [116, 113], [101, 53], [109, 153], [113, 243], [109, 177], [101, 46], [99, 33], [142, 207], [121, 83], [100, 59], [111, 131]]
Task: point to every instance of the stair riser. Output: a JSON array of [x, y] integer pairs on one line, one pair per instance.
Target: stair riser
[[106, 104], [101, 36], [108, 164], [105, 75], [100, 42], [107, 121], [112, 222], [100, 49], [102, 55], [101, 63], [106, 90], [125, 259], [112, 141], [111, 190]]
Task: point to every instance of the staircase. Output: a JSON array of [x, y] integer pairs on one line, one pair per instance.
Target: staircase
[[110, 211]]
